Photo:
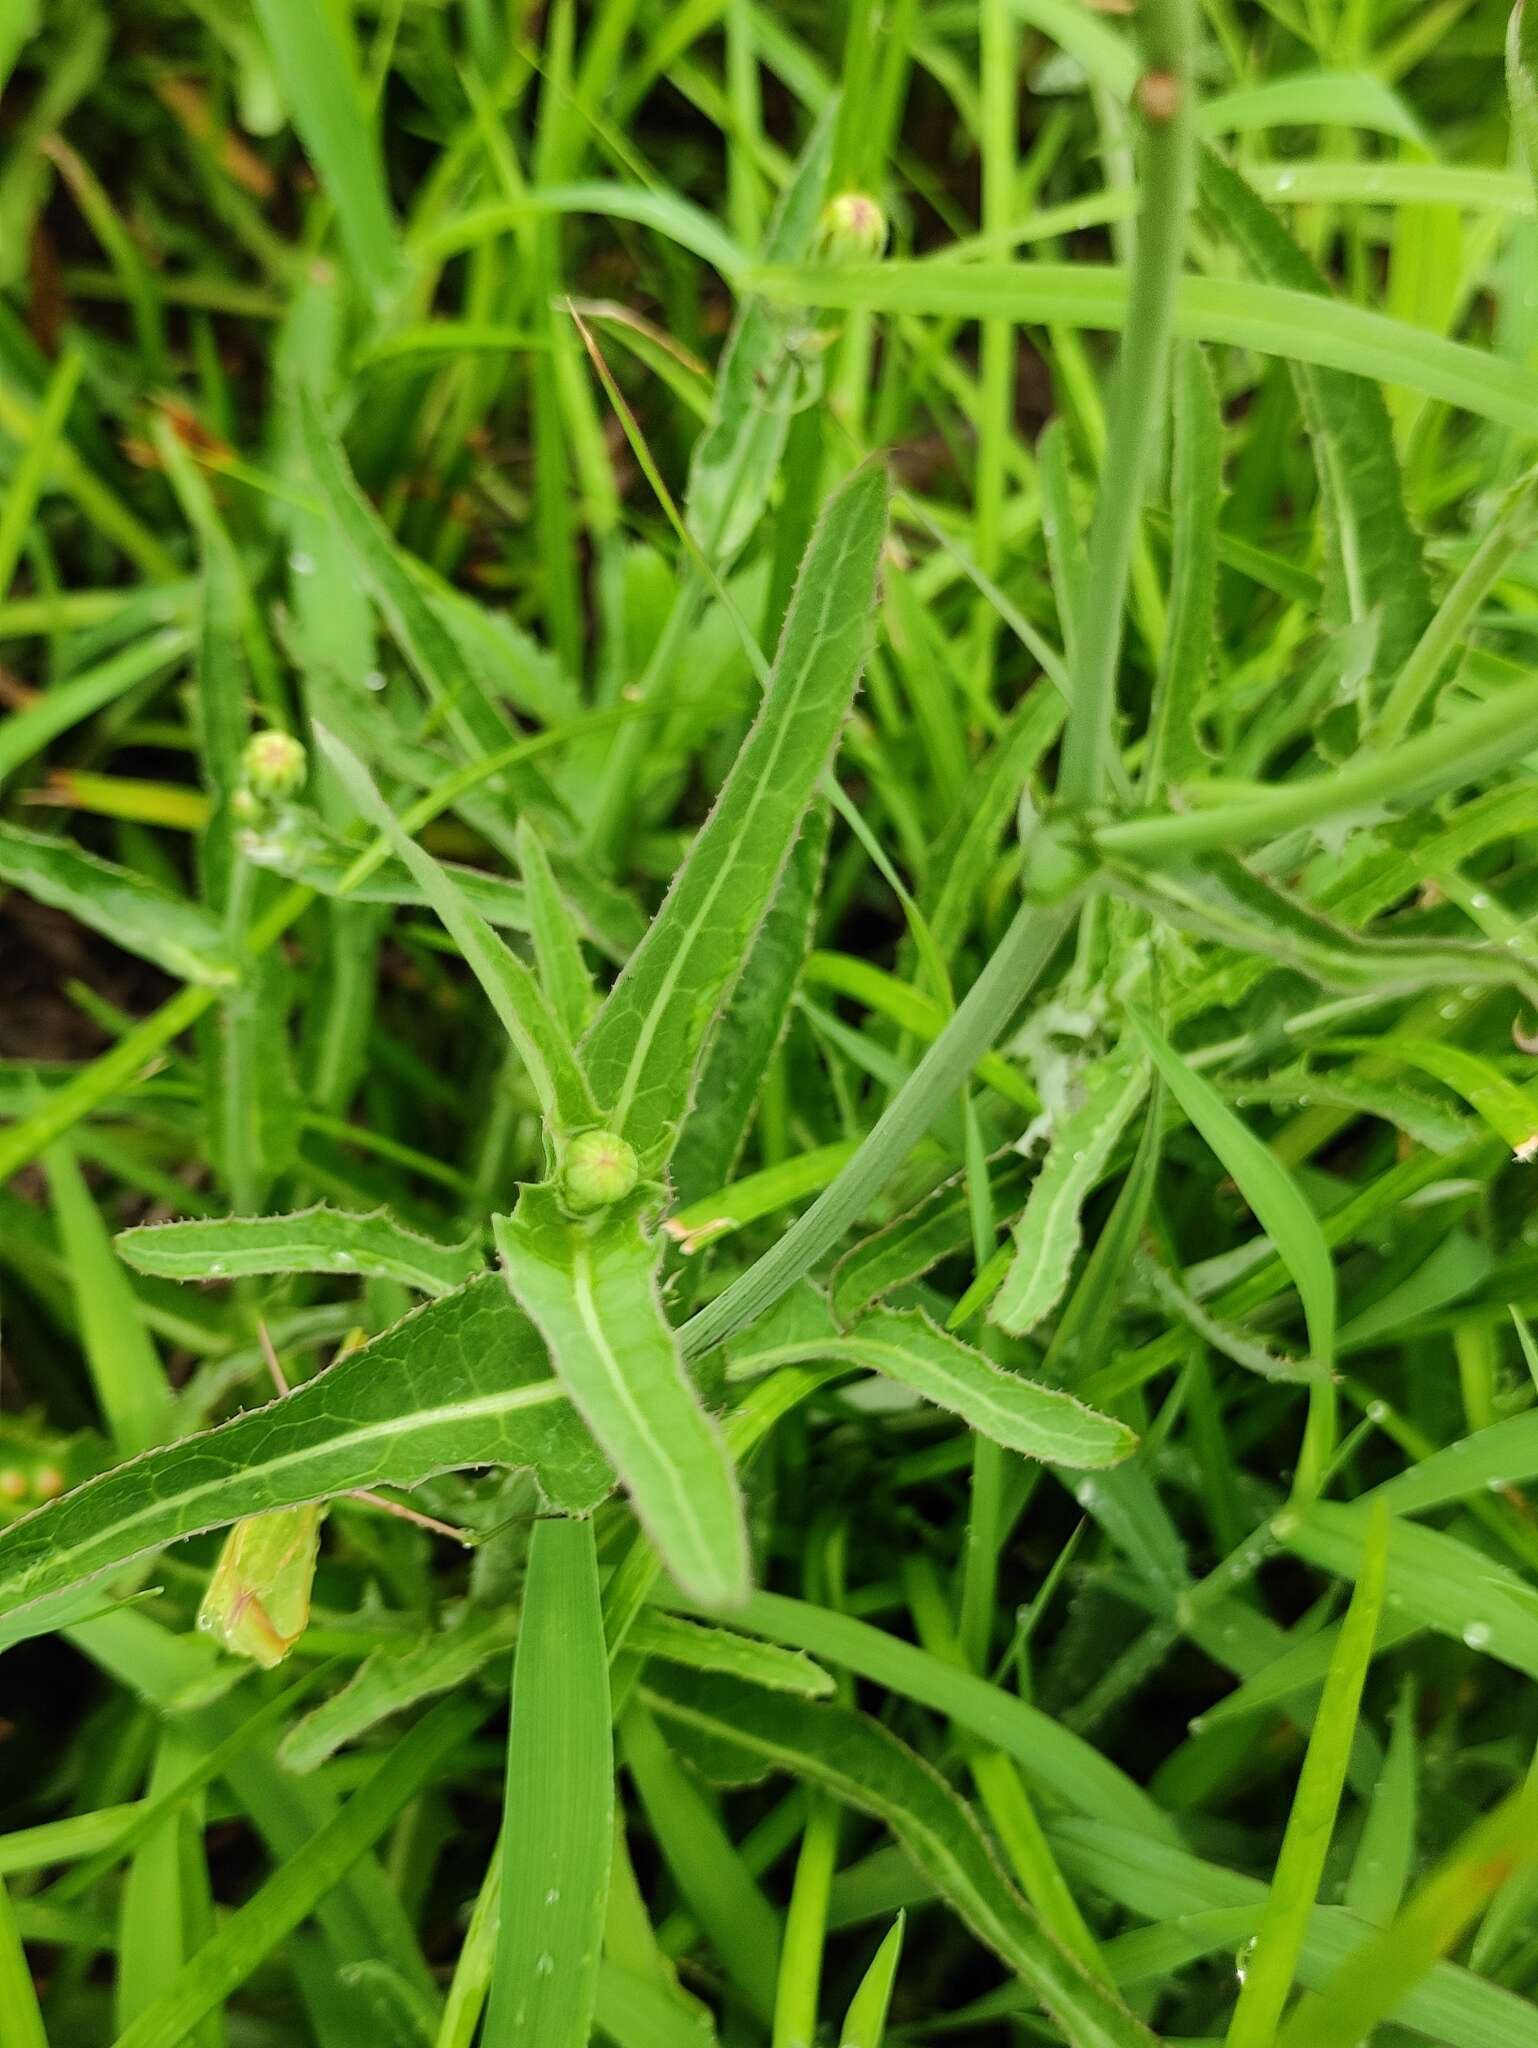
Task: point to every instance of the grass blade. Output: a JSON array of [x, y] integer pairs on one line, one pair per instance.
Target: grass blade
[[1295, 1884], [559, 1815]]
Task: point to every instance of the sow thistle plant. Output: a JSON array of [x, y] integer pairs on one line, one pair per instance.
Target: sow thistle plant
[[884, 1406]]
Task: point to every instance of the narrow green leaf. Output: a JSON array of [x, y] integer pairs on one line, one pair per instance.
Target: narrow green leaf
[[317, 1240], [590, 1286], [1218, 897], [559, 1808], [1275, 319], [1376, 568], [1074, 1770], [515, 995], [557, 951], [1048, 1234], [22, 2020], [130, 1382], [1372, 1982], [1522, 83], [861, 1764], [1433, 1579], [1265, 1184], [228, 1958], [1509, 1110], [1196, 492], [1295, 1885], [641, 1052], [1157, 1881], [705, 1863], [26, 732], [394, 1677], [937, 1228], [300, 846], [312, 54], [702, 1647], [905, 1346], [461, 1382], [760, 383], [865, 2022], [743, 1045]]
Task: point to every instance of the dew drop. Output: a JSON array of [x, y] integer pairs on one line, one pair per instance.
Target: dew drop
[[301, 563], [553, 1896], [1479, 900], [1377, 1411], [374, 679], [546, 1964], [215, 1269], [1477, 1636]]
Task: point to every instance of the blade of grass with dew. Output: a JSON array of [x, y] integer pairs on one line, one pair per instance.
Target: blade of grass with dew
[[559, 1803], [462, 1382], [1295, 1884], [862, 1765], [642, 1049], [1433, 1578], [589, 1283], [317, 1240], [1370, 1984]]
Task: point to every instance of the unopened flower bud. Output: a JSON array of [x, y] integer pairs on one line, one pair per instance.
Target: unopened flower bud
[[274, 765], [599, 1168], [853, 228]]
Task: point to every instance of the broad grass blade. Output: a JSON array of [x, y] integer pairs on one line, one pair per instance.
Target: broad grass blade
[[557, 1836]]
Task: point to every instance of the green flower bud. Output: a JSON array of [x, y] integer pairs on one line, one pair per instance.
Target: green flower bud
[[273, 766], [853, 228], [599, 1168]]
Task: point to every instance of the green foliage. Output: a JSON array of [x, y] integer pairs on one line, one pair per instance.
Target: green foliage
[[768, 795]]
